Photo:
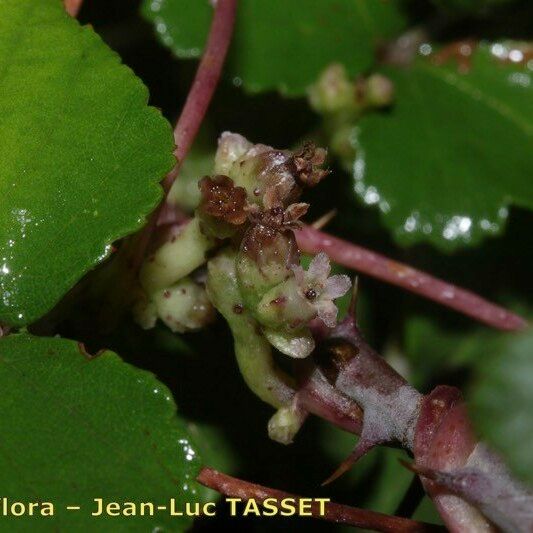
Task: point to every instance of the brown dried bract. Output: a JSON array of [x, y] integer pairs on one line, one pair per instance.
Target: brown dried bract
[[266, 245], [306, 161], [278, 218], [270, 237], [223, 200]]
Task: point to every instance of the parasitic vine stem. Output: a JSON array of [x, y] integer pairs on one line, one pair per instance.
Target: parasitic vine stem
[[333, 512], [378, 266]]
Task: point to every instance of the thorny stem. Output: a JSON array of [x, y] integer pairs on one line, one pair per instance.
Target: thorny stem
[[317, 396], [333, 512], [204, 83], [462, 475], [73, 7], [365, 261]]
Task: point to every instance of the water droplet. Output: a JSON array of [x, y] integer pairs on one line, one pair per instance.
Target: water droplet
[[457, 227], [371, 196], [499, 50], [425, 49], [412, 222], [520, 79], [516, 56], [155, 6]]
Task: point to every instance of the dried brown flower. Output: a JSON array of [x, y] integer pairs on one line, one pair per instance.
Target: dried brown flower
[[306, 161], [223, 200]]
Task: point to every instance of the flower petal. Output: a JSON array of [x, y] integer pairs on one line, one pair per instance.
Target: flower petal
[[327, 312], [337, 286], [319, 268], [299, 275]]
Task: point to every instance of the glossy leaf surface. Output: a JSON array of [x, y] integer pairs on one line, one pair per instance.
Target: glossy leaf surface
[[269, 32], [455, 151], [75, 428], [80, 158]]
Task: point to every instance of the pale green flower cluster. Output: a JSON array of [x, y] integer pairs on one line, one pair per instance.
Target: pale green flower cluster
[[245, 223]]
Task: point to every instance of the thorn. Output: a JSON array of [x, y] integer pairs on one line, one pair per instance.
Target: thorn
[[362, 448], [324, 220], [352, 309], [410, 466], [419, 470]]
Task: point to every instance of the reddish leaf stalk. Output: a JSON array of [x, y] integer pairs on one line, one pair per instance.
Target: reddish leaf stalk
[[367, 262], [334, 512], [73, 7], [191, 117], [204, 83], [353, 256]]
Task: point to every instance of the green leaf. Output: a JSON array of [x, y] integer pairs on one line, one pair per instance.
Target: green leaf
[[453, 152], [433, 350], [80, 158], [216, 450], [278, 44], [76, 428], [502, 399], [427, 512]]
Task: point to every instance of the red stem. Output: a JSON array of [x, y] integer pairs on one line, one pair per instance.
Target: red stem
[[73, 7], [352, 256], [193, 113], [333, 512], [204, 84]]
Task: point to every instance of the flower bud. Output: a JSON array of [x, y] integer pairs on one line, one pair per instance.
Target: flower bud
[[285, 306], [379, 91], [231, 147], [298, 343], [270, 177], [333, 91], [176, 259], [182, 307], [267, 254], [285, 423]]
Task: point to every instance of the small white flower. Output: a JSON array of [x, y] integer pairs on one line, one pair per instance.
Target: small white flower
[[320, 290]]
